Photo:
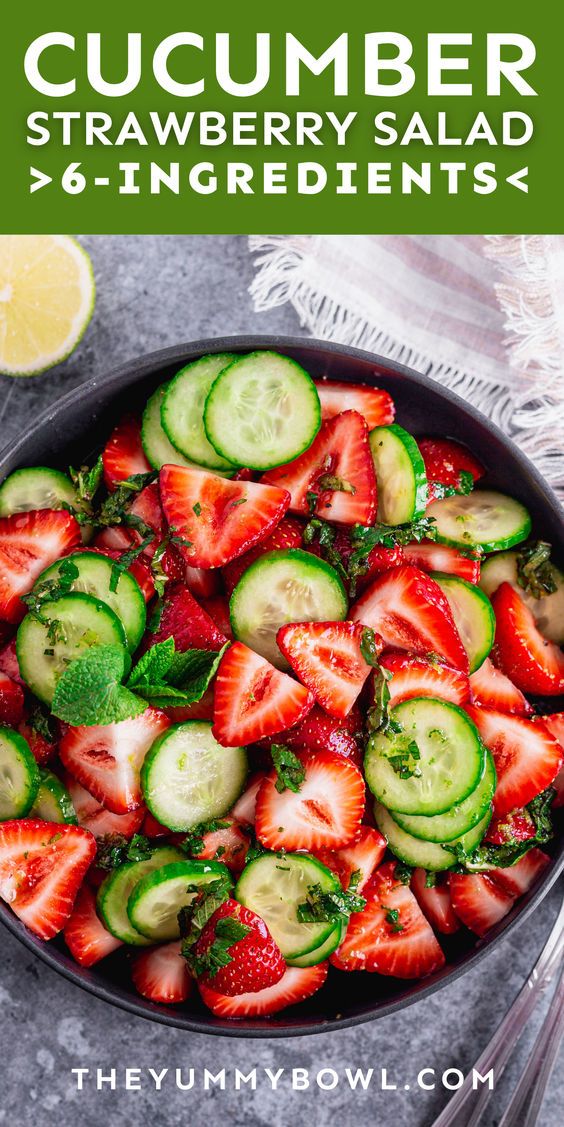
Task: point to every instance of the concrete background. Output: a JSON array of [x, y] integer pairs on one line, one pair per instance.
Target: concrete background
[[152, 292]]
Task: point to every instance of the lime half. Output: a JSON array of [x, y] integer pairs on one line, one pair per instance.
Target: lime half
[[46, 300]]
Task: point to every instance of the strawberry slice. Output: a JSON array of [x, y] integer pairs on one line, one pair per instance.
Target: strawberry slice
[[320, 732], [478, 901], [30, 542], [245, 807], [203, 584], [338, 467], [184, 620], [85, 935], [201, 709], [515, 826], [228, 845], [206, 511], [218, 609], [555, 725], [374, 404], [517, 879], [391, 935], [94, 817], [9, 662], [444, 460], [107, 759], [296, 984], [325, 813], [255, 959], [253, 699], [151, 828], [434, 901], [440, 557], [123, 454], [161, 974], [11, 701], [41, 748], [363, 856], [42, 865], [408, 609], [490, 688], [520, 651], [327, 658], [527, 757], [288, 534], [424, 677]]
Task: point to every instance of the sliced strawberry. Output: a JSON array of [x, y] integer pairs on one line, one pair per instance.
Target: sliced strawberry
[[203, 584], [151, 828], [520, 651], [434, 901], [527, 757], [255, 959], [391, 935], [205, 510], [297, 984], [107, 759], [378, 560], [515, 826], [408, 609], [492, 689], [9, 662], [444, 460], [374, 404], [440, 557], [147, 506], [362, 856], [42, 865], [253, 699], [339, 454], [244, 474], [517, 879], [288, 534], [161, 973], [245, 807], [11, 701], [478, 901], [115, 537], [228, 845], [424, 677], [320, 732], [555, 725], [201, 709], [123, 453], [94, 817], [29, 542], [327, 658], [325, 813], [184, 620], [85, 935], [41, 748], [218, 610]]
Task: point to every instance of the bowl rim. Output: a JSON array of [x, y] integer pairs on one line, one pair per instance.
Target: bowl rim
[[144, 366]]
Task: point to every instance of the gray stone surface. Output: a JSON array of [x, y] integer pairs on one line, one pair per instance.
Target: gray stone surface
[[154, 291]]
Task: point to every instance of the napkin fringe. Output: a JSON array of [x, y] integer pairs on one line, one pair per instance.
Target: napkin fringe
[[282, 276]]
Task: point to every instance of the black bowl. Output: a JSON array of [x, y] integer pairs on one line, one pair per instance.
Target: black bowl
[[79, 423]]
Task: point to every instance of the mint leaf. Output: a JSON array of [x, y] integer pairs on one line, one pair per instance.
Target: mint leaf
[[154, 665], [369, 647], [87, 480], [169, 679], [290, 772], [90, 690], [116, 849]]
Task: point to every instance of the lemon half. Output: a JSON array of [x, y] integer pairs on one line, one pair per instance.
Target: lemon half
[[47, 296]]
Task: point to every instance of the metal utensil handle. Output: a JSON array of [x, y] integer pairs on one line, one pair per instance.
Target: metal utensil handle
[[526, 1102], [497, 1052]]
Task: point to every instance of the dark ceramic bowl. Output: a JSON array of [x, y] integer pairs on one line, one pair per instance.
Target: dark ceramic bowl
[[72, 429]]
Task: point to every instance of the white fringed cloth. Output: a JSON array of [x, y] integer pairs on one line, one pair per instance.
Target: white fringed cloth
[[483, 315]]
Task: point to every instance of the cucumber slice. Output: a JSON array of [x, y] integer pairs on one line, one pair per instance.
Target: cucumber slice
[[450, 763], [159, 450], [481, 519], [548, 611], [53, 802], [280, 587], [156, 900], [274, 886], [473, 615], [115, 890], [95, 577], [37, 487], [319, 954], [424, 854], [262, 411], [19, 775], [78, 621], [400, 475], [459, 819], [182, 411], [187, 777]]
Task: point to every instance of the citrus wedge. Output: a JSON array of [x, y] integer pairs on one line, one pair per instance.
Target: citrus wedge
[[46, 300]]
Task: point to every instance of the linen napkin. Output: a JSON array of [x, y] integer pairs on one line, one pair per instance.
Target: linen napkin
[[483, 315]]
